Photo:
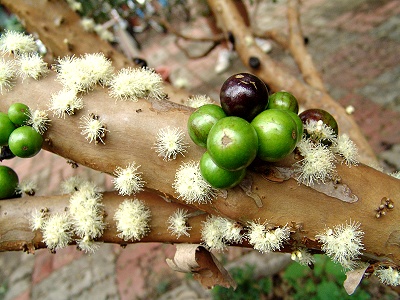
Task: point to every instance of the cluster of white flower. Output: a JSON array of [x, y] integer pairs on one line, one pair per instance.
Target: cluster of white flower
[[133, 219], [191, 186], [7, 75], [303, 257], [345, 148], [128, 180], [57, 231], [31, 65], [38, 119], [93, 128], [318, 131], [17, 43], [27, 187], [65, 102], [264, 239], [134, 83], [343, 243], [217, 232], [170, 142], [196, 101], [178, 223], [388, 276]]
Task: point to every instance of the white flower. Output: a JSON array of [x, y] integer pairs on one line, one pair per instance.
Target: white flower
[[346, 149], [39, 120], [343, 243], [57, 231], [98, 67], [303, 257], [178, 223], [27, 187], [217, 232], [65, 102], [191, 186], [132, 218], [17, 43], [88, 24], [31, 65], [317, 165], [267, 240], [87, 245], [6, 75], [319, 131], [71, 184], [388, 276], [127, 180], [132, 84], [38, 219], [93, 128], [198, 100], [169, 143]]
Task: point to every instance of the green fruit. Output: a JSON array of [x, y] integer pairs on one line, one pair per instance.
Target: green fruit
[[232, 143], [18, 113], [201, 121], [8, 182], [277, 134], [217, 177], [299, 123], [283, 100], [6, 127], [25, 142]]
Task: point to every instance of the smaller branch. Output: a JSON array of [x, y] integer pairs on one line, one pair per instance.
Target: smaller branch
[[298, 49], [191, 56]]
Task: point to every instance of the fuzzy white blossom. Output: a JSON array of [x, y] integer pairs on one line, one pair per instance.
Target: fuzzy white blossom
[[217, 232], [388, 276], [347, 149], [93, 128], [303, 257], [170, 142], [132, 219], [71, 184], [65, 102], [199, 100], [7, 75], [264, 239], [319, 131], [191, 186], [38, 219], [317, 164], [31, 65], [178, 223], [39, 120], [134, 83], [27, 187], [17, 43], [343, 244], [128, 180], [88, 245], [57, 231]]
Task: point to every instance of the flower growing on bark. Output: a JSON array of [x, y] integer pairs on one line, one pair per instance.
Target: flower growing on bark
[[65, 102], [198, 100], [217, 232], [6, 75], [303, 257], [191, 186], [38, 219], [71, 184], [128, 180], [132, 218], [388, 276], [134, 83], [27, 187], [17, 43], [57, 231], [93, 128], [343, 243], [318, 130], [31, 65], [317, 165], [267, 240], [39, 120], [178, 223], [346, 148], [169, 143]]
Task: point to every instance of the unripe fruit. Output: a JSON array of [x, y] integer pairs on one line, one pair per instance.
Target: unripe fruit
[[8, 182], [283, 100], [25, 142], [6, 128], [243, 95], [18, 113]]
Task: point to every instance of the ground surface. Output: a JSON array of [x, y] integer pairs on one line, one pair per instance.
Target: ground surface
[[355, 45]]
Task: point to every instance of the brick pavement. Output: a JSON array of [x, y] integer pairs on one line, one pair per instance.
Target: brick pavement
[[355, 46]]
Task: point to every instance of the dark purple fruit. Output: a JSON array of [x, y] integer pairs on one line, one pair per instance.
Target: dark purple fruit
[[243, 95], [317, 114]]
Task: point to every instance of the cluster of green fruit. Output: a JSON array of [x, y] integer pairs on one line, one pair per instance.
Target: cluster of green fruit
[[249, 124], [16, 139]]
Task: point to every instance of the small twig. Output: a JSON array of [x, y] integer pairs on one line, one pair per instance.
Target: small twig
[[190, 55]]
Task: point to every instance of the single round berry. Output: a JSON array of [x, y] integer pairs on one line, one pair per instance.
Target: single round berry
[[8, 182], [232, 143], [277, 134], [217, 177], [25, 142], [243, 95], [283, 100], [18, 113], [316, 114], [202, 120], [6, 128]]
